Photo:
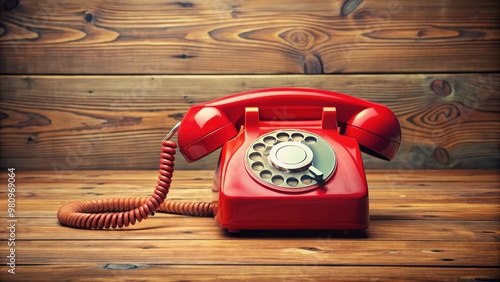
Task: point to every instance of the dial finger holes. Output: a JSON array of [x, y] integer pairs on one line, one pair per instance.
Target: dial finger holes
[[277, 179], [310, 140], [297, 137], [259, 147], [292, 181], [283, 136], [257, 166], [281, 160], [270, 140], [265, 174], [307, 180], [256, 156]]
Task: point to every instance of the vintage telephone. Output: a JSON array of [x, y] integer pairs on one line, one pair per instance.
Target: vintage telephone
[[290, 159]]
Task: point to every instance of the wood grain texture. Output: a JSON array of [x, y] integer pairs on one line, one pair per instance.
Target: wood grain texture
[[227, 37], [306, 252], [407, 247], [65, 123], [169, 227], [158, 272]]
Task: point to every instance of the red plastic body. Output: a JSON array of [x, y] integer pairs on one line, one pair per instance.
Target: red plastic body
[[345, 123], [243, 203]]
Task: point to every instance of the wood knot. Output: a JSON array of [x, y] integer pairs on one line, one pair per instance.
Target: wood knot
[[124, 266], [311, 63], [177, 116], [349, 6], [185, 4], [31, 138], [441, 155], [300, 38], [441, 114], [441, 87], [10, 5], [183, 56], [89, 17]]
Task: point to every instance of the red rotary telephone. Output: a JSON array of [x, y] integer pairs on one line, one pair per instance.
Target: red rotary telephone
[[290, 159]]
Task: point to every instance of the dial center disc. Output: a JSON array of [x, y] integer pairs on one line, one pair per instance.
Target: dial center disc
[[290, 156]]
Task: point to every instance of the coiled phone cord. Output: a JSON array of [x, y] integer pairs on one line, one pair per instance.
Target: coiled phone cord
[[113, 213]]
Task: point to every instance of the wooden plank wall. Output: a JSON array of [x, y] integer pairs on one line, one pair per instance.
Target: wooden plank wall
[[97, 84]]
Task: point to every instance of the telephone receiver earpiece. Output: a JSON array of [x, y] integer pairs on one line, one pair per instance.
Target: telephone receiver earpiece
[[206, 127]]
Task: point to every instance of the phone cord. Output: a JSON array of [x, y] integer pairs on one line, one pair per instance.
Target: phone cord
[[113, 213]]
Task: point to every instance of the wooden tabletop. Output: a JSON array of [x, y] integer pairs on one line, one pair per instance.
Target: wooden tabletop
[[425, 225]]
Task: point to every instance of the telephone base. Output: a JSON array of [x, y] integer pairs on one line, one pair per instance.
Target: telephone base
[[315, 213], [266, 179]]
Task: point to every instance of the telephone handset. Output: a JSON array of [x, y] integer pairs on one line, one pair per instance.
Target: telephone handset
[[290, 159]]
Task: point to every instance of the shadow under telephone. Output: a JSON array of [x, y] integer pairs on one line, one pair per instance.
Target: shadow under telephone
[[290, 159]]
